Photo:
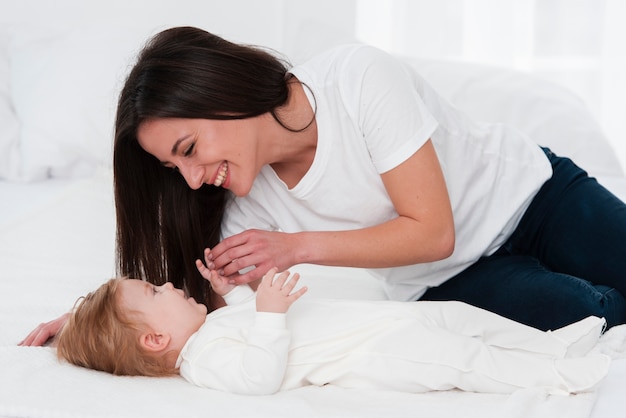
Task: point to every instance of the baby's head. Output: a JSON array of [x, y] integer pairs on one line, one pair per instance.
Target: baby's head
[[129, 327]]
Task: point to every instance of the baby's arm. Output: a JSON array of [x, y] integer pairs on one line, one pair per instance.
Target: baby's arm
[[230, 293], [252, 363], [219, 283], [275, 294], [249, 363]]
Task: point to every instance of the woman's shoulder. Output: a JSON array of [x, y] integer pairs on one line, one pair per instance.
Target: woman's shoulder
[[351, 61]]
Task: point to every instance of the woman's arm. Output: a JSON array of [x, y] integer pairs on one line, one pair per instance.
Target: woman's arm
[[422, 232], [44, 332]]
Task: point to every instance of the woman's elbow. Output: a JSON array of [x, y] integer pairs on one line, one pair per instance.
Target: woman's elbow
[[445, 242]]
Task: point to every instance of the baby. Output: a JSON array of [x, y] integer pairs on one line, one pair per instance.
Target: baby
[[260, 343]]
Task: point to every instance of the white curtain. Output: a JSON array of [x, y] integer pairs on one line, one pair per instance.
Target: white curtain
[[580, 44]]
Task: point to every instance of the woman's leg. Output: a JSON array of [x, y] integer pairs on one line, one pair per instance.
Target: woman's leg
[[576, 227], [520, 288], [566, 259]]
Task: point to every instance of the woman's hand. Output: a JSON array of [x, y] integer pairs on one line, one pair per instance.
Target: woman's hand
[[40, 335], [275, 295], [254, 248], [220, 284]]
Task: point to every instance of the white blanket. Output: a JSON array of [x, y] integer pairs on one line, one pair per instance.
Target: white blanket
[[60, 245], [34, 384]]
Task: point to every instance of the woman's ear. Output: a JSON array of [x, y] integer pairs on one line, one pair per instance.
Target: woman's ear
[[154, 341]]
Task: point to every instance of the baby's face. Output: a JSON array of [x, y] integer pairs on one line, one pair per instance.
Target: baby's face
[[163, 308]]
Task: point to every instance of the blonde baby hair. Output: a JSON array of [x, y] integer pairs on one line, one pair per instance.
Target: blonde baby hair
[[101, 335]]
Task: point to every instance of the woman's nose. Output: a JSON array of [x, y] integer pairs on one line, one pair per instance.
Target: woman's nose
[[192, 175]]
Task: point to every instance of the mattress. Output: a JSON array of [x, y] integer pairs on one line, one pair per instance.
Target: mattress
[[57, 243]]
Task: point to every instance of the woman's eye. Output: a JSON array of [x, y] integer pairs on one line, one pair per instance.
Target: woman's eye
[[189, 150], [169, 166]]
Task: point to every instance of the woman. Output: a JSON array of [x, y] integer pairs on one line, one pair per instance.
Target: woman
[[351, 159]]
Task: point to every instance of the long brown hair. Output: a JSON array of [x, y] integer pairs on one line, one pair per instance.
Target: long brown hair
[[100, 335], [184, 72]]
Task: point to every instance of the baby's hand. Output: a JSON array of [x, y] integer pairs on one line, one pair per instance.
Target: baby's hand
[[219, 283], [275, 295]]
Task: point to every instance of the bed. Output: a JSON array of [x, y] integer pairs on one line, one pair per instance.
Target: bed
[[57, 227]]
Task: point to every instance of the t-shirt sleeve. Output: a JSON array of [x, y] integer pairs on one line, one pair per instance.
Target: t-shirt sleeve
[[393, 118], [252, 363]]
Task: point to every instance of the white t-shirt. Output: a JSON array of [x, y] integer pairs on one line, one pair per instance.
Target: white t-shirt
[[373, 112]]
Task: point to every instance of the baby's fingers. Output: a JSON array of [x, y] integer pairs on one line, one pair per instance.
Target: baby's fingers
[[204, 271], [281, 279], [268, 278], [208, 259], [208, 265], [297, 294], [291, 284]]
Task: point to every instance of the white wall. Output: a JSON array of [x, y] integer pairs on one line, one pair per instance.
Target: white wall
[[62, 63], [577, 44], [240, 20], [277, 24], [424, 28]]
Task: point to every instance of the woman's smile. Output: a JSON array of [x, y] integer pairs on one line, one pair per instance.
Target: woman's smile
[[222, 175]]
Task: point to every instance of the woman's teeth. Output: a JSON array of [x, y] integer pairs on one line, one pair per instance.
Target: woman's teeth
[[221, 175]]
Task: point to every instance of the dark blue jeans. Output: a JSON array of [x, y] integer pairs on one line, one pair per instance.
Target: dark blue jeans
[[565, 261]]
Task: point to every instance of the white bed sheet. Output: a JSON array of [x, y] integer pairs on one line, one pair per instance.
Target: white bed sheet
[[57, 243]]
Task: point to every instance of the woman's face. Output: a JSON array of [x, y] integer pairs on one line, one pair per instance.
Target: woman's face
[[205, 151]]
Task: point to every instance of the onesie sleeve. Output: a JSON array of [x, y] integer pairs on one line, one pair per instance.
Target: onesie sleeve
[[239, 294], [390, 111], [243, 361]]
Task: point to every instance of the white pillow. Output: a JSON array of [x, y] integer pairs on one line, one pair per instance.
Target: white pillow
[[64, 87], [9, 158], [551, 115]]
